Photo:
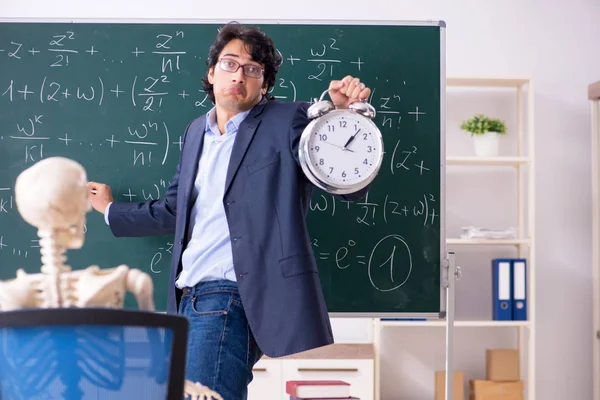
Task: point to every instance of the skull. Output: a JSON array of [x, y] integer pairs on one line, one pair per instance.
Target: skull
[[52, 195]]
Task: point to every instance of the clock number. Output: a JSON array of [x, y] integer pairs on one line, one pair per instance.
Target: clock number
[[364, 136], [365, 162], [343, 124], [330, 128], [343, 174], [356, 171], [321, 161], [330, 170], [369, 149], [317, 148], [322, 138]]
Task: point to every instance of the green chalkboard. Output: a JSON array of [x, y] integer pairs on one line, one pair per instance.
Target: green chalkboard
[[117, 97]]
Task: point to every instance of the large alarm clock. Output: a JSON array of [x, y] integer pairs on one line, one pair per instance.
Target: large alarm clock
[[341, 150]]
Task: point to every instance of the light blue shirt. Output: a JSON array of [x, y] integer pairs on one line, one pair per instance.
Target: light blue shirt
[[208, 255]]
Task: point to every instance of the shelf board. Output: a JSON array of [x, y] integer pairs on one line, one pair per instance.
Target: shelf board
[[459, 324], [488, 242], [487, 82], [473, 160]]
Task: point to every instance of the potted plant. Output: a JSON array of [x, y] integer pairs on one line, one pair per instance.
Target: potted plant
[[485, 132]]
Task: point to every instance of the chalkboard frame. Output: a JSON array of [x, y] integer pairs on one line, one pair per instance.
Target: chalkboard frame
[[443, 256]]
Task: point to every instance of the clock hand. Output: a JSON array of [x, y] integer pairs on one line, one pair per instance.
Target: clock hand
[[339, 147], [351, 139]]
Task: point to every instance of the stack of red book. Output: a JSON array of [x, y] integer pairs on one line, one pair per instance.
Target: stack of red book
[[318, 390]]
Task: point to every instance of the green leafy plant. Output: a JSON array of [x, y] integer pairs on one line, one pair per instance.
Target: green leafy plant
[[480, 125]]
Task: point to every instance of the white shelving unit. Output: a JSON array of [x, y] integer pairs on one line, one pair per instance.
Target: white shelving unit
[[491, 161], [594, 97], [484, 242], [523, 162], [466, 324]]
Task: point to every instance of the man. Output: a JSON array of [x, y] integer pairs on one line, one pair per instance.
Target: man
[[243, 270]]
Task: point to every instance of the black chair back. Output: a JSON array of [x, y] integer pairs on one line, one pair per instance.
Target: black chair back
[[91, 353]]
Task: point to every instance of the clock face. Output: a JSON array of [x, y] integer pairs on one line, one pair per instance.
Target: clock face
[[344, 149]]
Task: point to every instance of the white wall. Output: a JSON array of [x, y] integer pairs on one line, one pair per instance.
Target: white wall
[[553, 42]]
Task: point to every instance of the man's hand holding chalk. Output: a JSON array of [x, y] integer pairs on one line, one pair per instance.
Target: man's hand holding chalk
[[100, 196]]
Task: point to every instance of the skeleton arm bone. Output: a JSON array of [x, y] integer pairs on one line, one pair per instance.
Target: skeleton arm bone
[[140, 284], [20, 292]]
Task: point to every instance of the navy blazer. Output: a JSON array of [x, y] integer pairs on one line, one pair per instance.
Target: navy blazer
[[266, 201]]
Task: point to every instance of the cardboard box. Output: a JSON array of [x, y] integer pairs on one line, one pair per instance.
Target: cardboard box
[[502, 365], [488, 390], [458, 389]]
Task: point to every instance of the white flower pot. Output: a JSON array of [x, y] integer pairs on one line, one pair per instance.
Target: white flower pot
[[486, 145]]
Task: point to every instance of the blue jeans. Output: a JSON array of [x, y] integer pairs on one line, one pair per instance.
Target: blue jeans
[[221, 349]]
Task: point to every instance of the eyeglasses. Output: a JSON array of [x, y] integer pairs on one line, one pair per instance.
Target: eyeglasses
[[250, 70]]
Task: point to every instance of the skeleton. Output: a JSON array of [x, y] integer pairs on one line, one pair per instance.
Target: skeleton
[[52, 195]]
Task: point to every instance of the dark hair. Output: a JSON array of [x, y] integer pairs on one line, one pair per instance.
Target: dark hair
[[260, 46]]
